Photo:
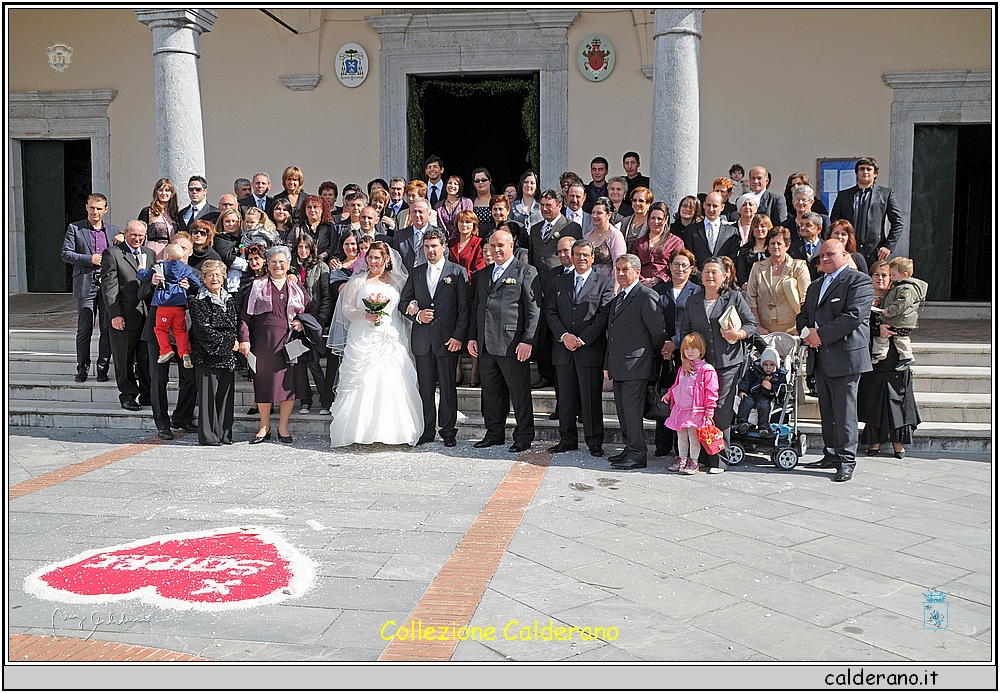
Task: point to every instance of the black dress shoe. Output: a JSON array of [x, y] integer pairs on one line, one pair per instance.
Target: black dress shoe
[[661, 453], [843, 475], [487, 443], [629, 463], [131, 405], [284, 439], [899, 454], [102, 376], [822, 464], [261, 439], [540, 383], [519, 447], [190, 426], [596, 451], [618, 456], [214, 444], [562, 447], [554, 416], [425, 439], [450, 442], [81, 376], [165, 435]]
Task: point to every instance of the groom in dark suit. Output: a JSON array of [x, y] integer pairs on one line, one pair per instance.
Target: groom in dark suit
[[576, 307], [502, 332], [836, 313], [436, 300]]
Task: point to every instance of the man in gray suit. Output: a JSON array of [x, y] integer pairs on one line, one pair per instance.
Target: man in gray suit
[[576, 195], [713, 235], [767, 202], [502, 333], [835, 315], [409, 240], [635, 335], [84, 243]]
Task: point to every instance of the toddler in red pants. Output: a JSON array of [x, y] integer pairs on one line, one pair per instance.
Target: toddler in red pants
[[171, 301]]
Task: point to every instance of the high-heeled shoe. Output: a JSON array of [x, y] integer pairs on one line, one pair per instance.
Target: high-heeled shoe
[[473, 382], [460, 379], [253, 411], [871, 452], [899, 454], [284, 439], [261, 439]]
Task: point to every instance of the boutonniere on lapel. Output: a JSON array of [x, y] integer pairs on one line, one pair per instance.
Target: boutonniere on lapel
[[510, 280], [556, 234], [447, 280]]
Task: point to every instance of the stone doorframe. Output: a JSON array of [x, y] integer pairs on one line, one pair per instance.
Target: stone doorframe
[[933, 98], [441, 42], [52, 115]]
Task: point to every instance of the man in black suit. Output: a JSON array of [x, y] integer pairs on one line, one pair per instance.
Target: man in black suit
[[712, 236], [806, 246], [397, 187], [598, 187], [434, 170], [543, 254], [867, 206], [83, 247], [836, 314], [502, 332], [259, 198], [127, 310], [159, 373], [577, 308], [436, 299], [409, 240], [199, 209], [767, 202], [635, 335]]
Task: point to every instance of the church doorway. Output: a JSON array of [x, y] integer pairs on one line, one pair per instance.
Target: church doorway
[[950, 221], [472, 121], [57, 180]]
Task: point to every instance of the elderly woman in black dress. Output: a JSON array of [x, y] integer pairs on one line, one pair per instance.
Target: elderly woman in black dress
[[701, 314], [214, 318], [267, 320], [885, 396]]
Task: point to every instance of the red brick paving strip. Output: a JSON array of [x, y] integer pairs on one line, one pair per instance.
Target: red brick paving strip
[[74, 470], [47, 648], [453, 596]]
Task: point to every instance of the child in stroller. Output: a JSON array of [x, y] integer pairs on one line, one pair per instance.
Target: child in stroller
[[758, 388]]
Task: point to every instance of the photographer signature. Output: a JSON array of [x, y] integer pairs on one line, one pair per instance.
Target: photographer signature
[[95, 620]]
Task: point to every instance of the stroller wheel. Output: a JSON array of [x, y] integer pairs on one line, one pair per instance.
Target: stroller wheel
[[803, 444], [736, 455], [785, 458]]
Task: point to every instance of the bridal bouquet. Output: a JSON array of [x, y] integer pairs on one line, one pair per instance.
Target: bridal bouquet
[[375, 305]]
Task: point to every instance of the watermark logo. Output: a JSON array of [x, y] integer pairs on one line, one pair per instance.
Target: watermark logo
[[935, 610]]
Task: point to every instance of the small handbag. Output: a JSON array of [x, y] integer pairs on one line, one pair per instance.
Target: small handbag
[[711, 439], [656, 408]]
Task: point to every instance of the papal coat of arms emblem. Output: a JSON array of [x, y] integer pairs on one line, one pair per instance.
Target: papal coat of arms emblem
[[59, 55], [596, 57]]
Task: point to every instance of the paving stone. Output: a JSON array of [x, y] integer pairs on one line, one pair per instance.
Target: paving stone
[[974, 587], [605, 653], [979, 501], [472, 651], [963, 557], [648, 634], [875, 559], [882, 534], [350, 518], [829, 503], [906, 637], [354, 564], [755, 527], [671, 557], [403, 566], [548, 549], [926, 488], [787, 562], [356, 593], [239, 650], [541, 587], [784, 637], [361, 628], [430, 542], [974, 537], [878, 590]]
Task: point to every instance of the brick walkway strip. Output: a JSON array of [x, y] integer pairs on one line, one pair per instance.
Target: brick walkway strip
[[47, 648], [453, 596], [74, 470]]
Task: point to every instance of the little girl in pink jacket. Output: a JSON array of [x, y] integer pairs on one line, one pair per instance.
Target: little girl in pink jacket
[[692, 401]]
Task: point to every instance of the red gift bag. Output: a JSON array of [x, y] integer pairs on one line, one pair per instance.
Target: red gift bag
[[711, 439]]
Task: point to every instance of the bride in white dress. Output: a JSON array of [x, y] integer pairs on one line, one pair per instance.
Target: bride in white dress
[[377, 399]]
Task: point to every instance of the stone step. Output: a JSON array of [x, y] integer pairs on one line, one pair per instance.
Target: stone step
[[948, 354], [950, 407], [967, 437], [974, 379]]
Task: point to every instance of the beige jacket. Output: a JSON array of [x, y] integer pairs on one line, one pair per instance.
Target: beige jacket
[[778, 300]]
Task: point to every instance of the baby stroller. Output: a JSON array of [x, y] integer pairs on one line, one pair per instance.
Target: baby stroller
[[778, 437]]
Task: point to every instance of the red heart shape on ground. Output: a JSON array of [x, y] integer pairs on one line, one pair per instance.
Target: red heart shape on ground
[[207, 571]]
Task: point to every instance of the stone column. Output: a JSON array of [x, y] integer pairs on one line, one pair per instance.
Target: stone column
[[674, 165], [180, 139]]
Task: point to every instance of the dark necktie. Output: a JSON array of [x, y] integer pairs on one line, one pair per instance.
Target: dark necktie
[[861, 217], [434, 196]]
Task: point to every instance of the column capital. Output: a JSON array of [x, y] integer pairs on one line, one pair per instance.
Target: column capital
[[197, 20], [682, 20]]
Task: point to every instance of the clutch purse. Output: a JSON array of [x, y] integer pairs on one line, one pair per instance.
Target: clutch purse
[[730, 320], [656, 408], [711, 439]]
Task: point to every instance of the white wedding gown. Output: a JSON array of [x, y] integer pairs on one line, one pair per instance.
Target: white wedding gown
[[377, 399]]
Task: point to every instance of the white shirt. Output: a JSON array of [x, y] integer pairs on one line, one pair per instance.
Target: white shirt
[[712, 232], [439, 186], [434, 275], [576, 216], [500, 269], [581, 279]]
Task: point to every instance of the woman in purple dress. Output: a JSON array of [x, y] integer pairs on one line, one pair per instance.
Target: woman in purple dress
[[267, 320]]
